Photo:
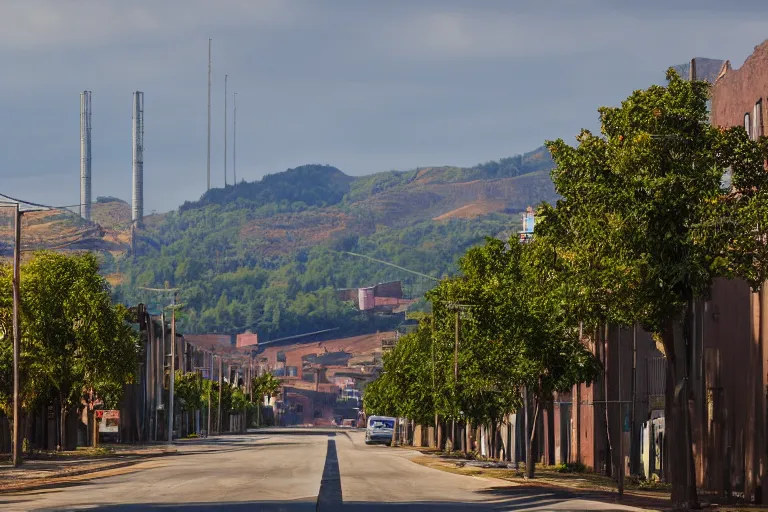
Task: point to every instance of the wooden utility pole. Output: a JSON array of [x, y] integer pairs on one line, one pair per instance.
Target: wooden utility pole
[[434, 386], [621, 416], [172, 376], [455, 378], [528, 451], [221, 388], [210, 385], [16, 337]]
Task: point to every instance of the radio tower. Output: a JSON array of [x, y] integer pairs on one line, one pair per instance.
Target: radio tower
[[209, 114]]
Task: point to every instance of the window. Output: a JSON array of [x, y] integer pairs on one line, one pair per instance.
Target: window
[[381, 424], [747, 125], [757, 123]]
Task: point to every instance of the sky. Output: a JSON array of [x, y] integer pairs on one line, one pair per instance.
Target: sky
[[364, 85]]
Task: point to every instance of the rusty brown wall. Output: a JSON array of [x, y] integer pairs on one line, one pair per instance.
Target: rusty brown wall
[[727, 342], [736, 92]]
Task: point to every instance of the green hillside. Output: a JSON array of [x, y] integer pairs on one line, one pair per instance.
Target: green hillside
[[269, 255]]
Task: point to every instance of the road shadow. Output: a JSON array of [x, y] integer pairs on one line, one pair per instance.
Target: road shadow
[[310, 504], [303, 505]]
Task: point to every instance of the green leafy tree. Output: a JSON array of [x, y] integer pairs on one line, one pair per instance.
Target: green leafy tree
[[84, 342], [633, 234], [516, 333], [265, 385], [405, 387], [189, 391]]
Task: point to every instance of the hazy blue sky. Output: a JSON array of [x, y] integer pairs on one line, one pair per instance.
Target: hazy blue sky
[[365, 85]]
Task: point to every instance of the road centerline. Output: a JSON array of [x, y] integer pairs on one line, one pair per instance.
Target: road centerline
[[329, 497]]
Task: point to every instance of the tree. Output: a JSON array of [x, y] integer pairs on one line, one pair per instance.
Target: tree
[[631, 230], [265, 384], [83, 343], [405, 387], [518, 335], [188, 391]]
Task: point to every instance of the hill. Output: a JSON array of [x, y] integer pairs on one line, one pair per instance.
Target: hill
[[270, 255]]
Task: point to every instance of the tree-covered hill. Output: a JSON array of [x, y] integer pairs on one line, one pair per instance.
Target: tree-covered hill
[[269, 255]]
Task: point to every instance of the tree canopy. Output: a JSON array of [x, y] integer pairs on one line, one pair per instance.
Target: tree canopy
[[646, 223], [74, 340]]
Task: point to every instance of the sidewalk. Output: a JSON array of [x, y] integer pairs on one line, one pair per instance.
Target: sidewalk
[[580, 485], [49, 468]]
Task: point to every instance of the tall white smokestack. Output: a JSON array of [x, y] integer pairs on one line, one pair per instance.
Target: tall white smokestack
[[85, 155], [137, 205]]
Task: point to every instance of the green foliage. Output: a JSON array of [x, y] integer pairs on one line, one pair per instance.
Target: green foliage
[[73, 339], [240, 401], [405, 386], [571, 467], [229, 288], [512, 334], [189, 391], [265, 384], [640, 227], [645, 224]]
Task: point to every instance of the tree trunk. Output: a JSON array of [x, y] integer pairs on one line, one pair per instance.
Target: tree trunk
[[677, 419], [62, 425], [529, 462]]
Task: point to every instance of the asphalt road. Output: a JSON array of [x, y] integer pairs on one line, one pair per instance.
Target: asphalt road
[[290, 471]]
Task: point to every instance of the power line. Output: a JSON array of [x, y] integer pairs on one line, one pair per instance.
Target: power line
[[392, 265], [22, 201]]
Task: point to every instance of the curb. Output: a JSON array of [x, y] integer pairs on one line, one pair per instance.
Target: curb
[[606, 496]]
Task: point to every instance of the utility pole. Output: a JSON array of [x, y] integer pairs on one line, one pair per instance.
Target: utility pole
[[16, 336], [455, 379], [458, 308], [234, 141], [225, 130], [173, 369], [528, 451], [161, 357], [221, 388], [434, 385], [621, 417], [210, 385], [209, 113]]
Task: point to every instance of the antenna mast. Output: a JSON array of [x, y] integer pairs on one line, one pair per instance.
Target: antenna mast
[[209, 113], [234, 141], [225, 130]]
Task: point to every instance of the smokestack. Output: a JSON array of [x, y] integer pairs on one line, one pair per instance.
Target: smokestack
[[137, 205], [85, 155]]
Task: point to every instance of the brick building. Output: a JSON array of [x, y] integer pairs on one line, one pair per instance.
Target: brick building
[[731, 432]]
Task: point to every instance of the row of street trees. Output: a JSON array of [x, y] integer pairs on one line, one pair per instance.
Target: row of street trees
[[76, 346], [197, 394], [645, 223]]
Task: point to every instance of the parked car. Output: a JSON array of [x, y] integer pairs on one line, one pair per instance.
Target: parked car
[[379, 430]]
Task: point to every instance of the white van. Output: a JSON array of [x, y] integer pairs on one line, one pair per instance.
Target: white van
[[379, 430]]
